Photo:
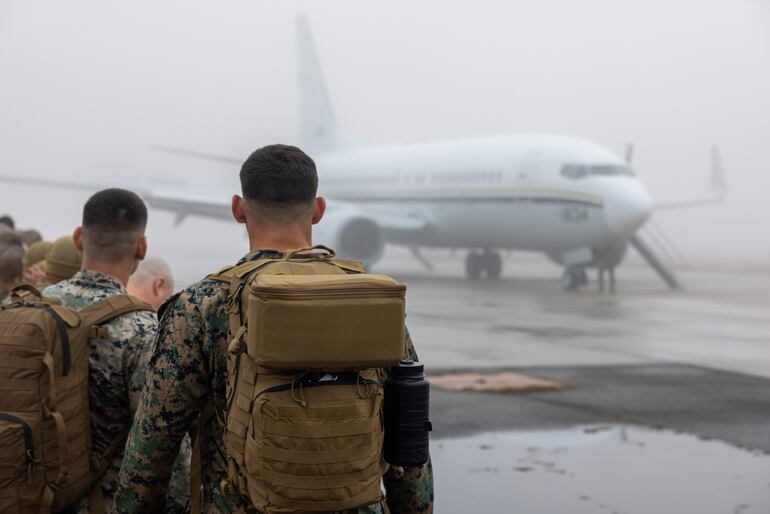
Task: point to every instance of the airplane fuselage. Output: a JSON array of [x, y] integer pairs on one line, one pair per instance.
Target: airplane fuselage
[[544, 193]]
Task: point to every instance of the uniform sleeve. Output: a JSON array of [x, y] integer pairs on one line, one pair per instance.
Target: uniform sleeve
[[137, 355], [409, 490], [179, 486], [176, 389]]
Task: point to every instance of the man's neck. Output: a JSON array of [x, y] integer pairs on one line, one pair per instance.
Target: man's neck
[[119, 271], [289, 238]]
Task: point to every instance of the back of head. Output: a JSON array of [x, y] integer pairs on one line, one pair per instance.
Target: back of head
[[62, 261], [31, 236], [113, 221], [10, 238], [7, 221], [11, 264], [153, 281], [279, 184], [152, 267]]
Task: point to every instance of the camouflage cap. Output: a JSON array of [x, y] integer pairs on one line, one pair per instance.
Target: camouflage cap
[[63, 260], [36, 253]]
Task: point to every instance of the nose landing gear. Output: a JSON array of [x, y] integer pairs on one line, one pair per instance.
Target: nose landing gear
[[489, 262], [573, 278]]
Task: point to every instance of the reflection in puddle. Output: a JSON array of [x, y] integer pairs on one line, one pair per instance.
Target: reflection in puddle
[[598, 469]]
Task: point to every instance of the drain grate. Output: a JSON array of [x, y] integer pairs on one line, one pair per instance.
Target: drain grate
[[500, 382]]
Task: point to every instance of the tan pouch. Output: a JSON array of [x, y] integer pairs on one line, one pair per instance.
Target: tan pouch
[[325, 322]]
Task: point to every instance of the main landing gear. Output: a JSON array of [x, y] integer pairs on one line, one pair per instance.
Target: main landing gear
[[488, 262]]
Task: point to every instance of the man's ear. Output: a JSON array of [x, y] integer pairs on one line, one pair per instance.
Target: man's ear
[[238, 208], [157, 285], [77, 236], [319, 210], [141, 248]]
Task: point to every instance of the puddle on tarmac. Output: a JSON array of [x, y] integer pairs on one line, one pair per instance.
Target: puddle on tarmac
[[598, 469]]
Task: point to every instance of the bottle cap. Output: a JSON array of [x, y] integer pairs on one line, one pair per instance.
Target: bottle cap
[[407, 369]]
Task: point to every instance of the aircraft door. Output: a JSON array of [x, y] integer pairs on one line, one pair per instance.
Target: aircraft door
[[522, 232], [527, 168]]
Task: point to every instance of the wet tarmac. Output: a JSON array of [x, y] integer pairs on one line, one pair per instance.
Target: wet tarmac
[[601, 469], [722, 319]]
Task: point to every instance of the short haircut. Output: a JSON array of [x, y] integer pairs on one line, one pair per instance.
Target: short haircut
[[7, 221], [31, 236], [280, 182], [153, 267], [11, 266], [113, 220], [9, 239]]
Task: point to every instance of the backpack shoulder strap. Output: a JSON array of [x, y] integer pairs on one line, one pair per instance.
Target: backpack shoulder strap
[[348, 265], [228, 273], [112, 307]]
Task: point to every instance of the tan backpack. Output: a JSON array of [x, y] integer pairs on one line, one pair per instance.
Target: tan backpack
[[309, 336], [46, 463]]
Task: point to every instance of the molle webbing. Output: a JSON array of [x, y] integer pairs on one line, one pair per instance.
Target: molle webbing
[[303, 426]]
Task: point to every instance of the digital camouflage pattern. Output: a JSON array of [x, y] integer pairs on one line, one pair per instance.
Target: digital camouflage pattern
[[118, 367], [188, 366]]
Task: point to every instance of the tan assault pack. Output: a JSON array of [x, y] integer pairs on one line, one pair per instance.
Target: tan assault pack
[[309, 336], [46, 463]]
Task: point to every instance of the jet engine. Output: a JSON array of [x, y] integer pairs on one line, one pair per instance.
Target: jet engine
[[353, 234]]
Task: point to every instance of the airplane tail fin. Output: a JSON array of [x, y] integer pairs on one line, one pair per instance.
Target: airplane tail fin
[[319, 126]]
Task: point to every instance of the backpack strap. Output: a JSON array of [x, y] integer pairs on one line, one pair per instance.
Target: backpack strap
[[93, 316], [23, 292], [228, 273], [326, 254], [112, 307]]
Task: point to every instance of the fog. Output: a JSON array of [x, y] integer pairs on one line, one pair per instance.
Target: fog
[[89, 88]]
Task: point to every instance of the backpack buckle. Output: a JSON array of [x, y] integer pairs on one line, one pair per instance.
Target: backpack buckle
[[98, 332], [236, 345]]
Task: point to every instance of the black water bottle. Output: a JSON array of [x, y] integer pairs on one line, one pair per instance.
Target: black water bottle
[[407, 399]]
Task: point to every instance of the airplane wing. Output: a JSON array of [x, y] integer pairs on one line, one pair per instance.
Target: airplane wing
[[175, 198], [354, 232]]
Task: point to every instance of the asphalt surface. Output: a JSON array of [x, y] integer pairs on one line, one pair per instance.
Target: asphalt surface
[[710, 404]]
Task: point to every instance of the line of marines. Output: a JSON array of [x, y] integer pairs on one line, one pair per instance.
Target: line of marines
[[160, 371]]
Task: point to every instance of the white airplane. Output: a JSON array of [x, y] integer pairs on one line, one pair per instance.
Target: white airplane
[[571, 199]]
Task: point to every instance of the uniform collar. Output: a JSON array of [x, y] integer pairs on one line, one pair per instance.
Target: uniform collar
[[260, 254], [107, 282]]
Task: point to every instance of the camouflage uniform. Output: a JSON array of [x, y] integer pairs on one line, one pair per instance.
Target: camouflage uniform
[[117, 366], [188, 366]]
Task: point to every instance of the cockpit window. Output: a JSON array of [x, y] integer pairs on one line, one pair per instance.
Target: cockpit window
[[576, 171], [610, 170]]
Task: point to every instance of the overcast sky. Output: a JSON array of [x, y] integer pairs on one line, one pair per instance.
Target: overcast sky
[[88, 88]]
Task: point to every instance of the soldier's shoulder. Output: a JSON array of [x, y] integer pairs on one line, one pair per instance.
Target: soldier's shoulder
[[204, 296], [135, 329], [138, 320], [55, 290]]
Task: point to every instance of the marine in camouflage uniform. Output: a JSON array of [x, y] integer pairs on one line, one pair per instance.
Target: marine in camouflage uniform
[[117, 366], [188, 366]]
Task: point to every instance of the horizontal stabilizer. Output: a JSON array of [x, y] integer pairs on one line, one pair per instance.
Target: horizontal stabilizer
[[717, 185]]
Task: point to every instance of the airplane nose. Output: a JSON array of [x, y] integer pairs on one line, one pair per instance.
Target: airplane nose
[[628, 209]]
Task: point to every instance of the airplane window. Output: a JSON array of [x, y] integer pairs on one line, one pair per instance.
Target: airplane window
[[574, 171]]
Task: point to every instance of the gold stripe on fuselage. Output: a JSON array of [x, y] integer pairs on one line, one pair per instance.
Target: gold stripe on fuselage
[[417, 193]]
